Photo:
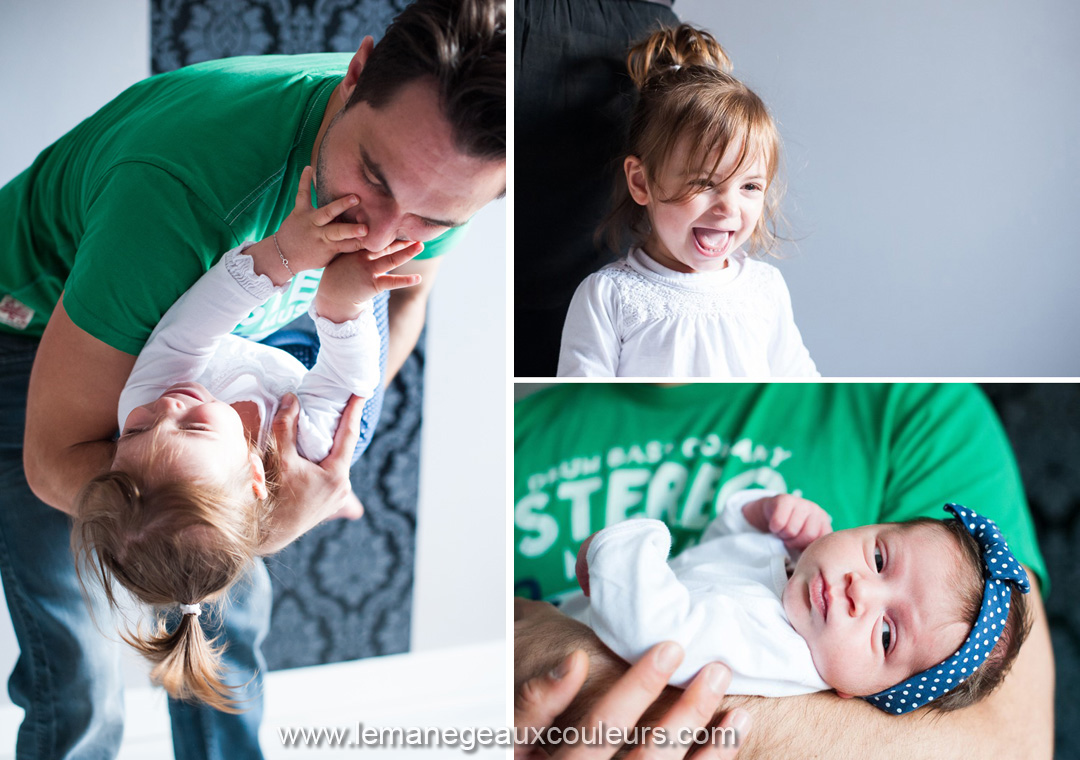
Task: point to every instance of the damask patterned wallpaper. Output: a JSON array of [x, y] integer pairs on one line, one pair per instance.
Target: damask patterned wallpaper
[[190, 31], [344, 590]]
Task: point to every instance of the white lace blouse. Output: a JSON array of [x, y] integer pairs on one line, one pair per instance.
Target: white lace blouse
[[637, 318]]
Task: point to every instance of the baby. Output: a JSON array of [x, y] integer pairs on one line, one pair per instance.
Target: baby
[[897, 613], [189, 501]]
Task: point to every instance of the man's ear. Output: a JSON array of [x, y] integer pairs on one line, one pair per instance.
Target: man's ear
[[258, 476], [356, 65], [636, 180]]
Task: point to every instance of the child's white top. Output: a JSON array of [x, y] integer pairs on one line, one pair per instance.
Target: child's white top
[[637, 318], [720, 600], [192, 342]]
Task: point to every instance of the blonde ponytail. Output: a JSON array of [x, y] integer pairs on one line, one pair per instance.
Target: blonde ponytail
[[171, 542], [185, 662]]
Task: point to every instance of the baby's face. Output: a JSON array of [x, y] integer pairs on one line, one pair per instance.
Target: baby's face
[[876, 604], [205, 435]]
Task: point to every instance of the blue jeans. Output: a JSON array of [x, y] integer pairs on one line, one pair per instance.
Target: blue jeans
[[67, 678]]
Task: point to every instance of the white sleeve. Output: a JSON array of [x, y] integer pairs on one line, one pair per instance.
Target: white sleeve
[[590, 339], [637, 601], [182, 344], [348, 364], [788, 357]]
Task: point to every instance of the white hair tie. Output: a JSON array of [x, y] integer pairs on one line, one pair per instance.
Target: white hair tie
[[191, 609]]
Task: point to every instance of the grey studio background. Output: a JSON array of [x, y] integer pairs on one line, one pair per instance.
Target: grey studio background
[[395, 580], [933, 170]]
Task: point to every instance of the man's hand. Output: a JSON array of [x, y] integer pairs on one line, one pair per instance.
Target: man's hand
[[794, 520], [539, 699], [310, 493]]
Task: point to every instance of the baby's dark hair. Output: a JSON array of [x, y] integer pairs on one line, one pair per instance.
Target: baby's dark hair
[[686, 92], [970, 581], [168, 542]]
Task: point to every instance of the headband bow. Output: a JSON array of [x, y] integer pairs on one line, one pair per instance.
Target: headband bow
[[999, 566]]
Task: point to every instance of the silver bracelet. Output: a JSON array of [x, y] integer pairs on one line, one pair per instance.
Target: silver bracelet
[[284, 261]]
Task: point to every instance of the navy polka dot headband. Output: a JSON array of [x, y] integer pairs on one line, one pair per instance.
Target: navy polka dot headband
[[999, 566]]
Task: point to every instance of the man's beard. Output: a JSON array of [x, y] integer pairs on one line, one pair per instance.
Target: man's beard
[[322, 191]]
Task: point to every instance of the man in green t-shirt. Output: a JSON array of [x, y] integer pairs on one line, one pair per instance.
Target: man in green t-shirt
[[590, 455], [115, 220]]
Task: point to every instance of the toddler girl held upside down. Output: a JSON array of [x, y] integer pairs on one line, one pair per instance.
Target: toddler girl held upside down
[[189, 502]]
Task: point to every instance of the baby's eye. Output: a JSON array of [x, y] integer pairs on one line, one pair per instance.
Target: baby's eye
[[703, 183], [752, 186], [886, 635], [879, 560]]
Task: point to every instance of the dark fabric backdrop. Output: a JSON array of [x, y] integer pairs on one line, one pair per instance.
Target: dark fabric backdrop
[[344, 590]]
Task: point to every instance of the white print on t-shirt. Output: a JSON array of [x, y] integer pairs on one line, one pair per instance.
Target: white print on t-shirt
[[680, 482], [282, 308]]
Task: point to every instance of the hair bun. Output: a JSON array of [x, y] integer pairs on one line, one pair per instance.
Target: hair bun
[[671, 49]]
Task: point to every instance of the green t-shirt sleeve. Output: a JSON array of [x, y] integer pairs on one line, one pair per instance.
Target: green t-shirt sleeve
[[444, 243], [947, 444], [147, 239]]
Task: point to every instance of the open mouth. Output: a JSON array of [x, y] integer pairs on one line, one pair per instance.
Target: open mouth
[[191, 390], [713, 243]]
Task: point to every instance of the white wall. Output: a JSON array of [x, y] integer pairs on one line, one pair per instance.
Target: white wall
[[71, 58], [74, 57], [934, 166], [62, 60], [460, 592]]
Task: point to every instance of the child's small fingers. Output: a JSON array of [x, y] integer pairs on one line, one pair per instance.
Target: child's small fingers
[[303, 191], [343, 232], [335, 208], [396, 281], [397, 246], [384, 262], [795, 525], [823, 525], [780, 516]]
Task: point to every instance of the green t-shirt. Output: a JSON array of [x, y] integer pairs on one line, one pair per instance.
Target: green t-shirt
[[590, 455], [131, 207]]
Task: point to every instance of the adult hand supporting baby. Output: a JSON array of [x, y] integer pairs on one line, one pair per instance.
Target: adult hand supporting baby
[[539, 700], [311, 493]]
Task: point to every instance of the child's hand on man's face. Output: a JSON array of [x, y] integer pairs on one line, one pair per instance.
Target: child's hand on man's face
[[796, 521], [353, 279], [310, 238]]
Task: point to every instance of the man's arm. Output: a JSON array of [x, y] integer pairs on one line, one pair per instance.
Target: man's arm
[[71, 406], [407, 311], [1017, 720]]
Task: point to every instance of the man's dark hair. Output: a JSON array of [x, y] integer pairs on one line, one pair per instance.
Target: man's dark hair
[[461, 46]]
